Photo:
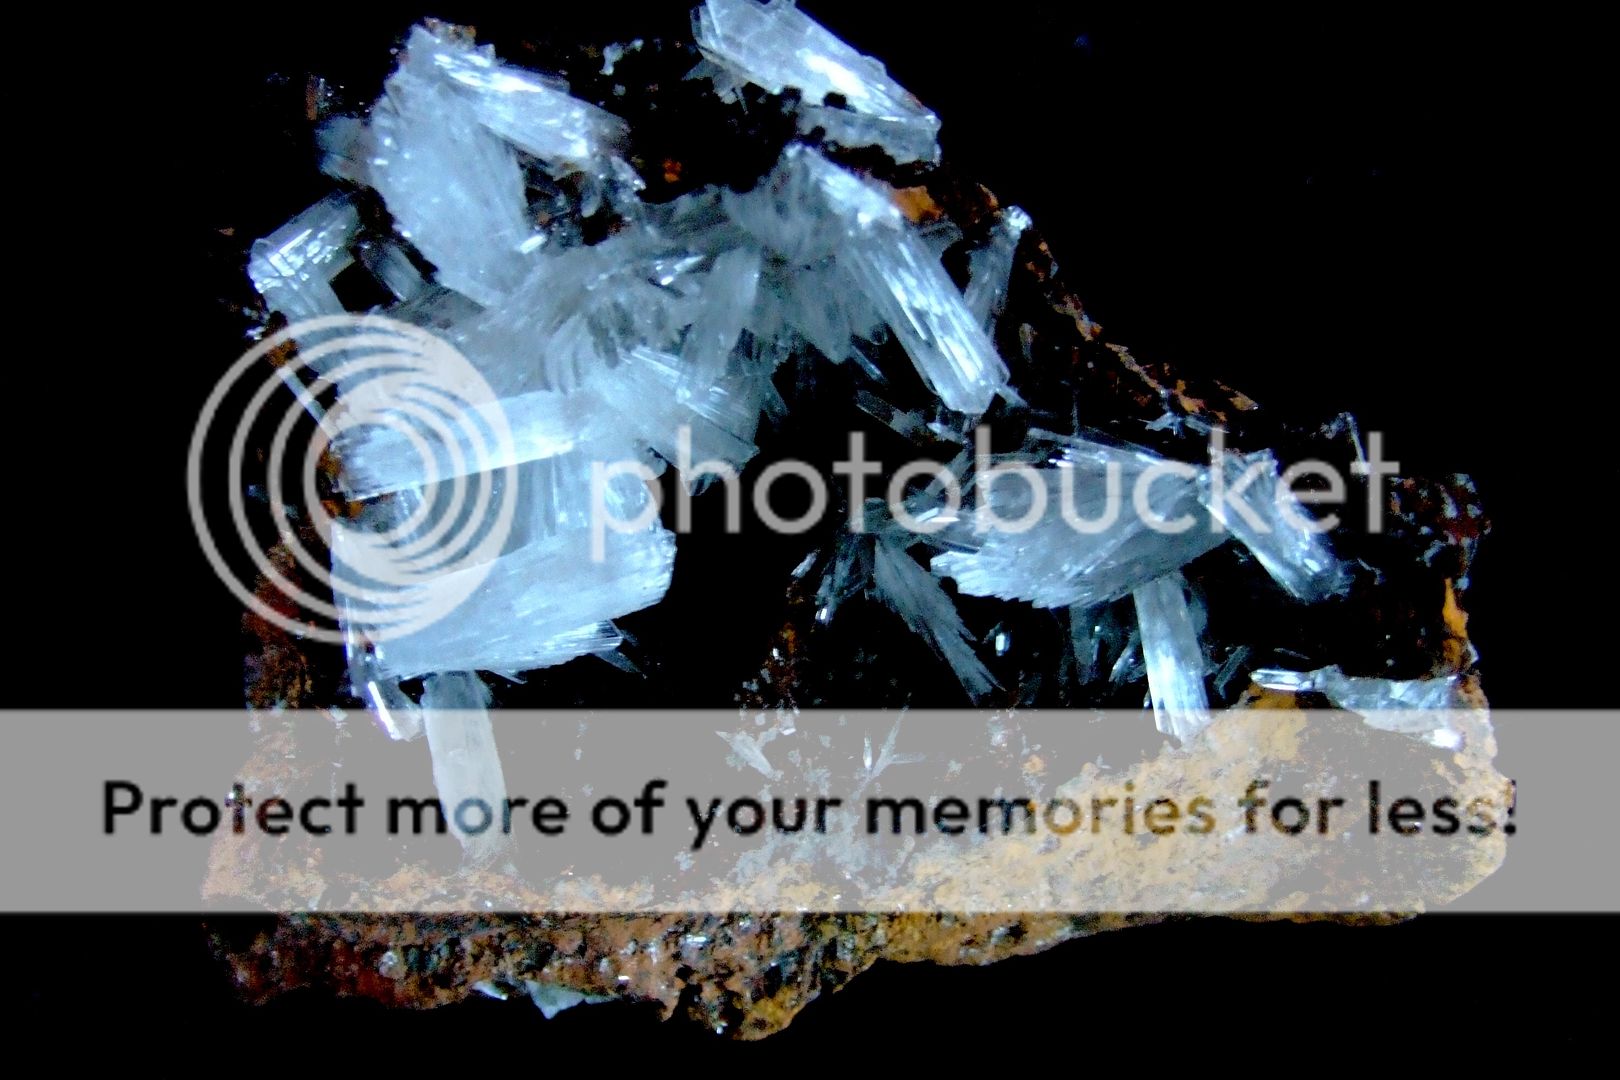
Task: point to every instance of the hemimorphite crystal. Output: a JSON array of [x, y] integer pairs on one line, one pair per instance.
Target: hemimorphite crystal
[[1266, 517], [1087, 542], [916, 596], [393, 269], [1418, 707], [294, 266], [889, 264], [729, 289], [533, 112], [394, 710], [990, 267], [719, 419], [1090, 630], [850, 96], [379, 460], [544, 602], [1174, 660], [580, 310], [466, 765], [453, 186]]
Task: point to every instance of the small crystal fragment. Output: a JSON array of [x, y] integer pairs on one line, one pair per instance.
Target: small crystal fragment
[[1094, 632], [552, 999], [345, 149], [396, 713], [750, 751]]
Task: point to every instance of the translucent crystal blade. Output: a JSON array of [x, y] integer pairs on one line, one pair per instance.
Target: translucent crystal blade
[[1418, 707], [775, 45], [578, 311], [548, 596], [728, 303], [380, 460], [1266, 517], [466, 765], [916, 596], [886, 262], [1091, 630], [453, 186], [720, 420], [294, 266], [532, 112], [990, 267], [542, 605], [1174, 659], [1090, 544], [922, 307]]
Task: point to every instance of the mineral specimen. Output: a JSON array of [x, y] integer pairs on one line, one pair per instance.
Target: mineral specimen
[[624, 305]]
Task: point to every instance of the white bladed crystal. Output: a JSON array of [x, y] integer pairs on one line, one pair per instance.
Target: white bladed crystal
[[1174, 660], [466, 765], [948, 346], [1417, 707], [776, 46], [1269, 520], [543, 604], [720, 419], [452, 185], [580, 310], [728, 303], [533, 112], [1100, 550], [294, 266], [393, 268], [917, 597], [380, 460], [888, 264], [990, 268]]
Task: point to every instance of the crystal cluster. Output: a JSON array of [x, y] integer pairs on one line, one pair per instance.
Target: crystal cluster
[[662, 341]]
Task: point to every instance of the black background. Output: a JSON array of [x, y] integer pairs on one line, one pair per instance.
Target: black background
[[1379, 211]]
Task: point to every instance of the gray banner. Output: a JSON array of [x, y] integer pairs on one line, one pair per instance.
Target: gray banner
[[1265, 811]]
